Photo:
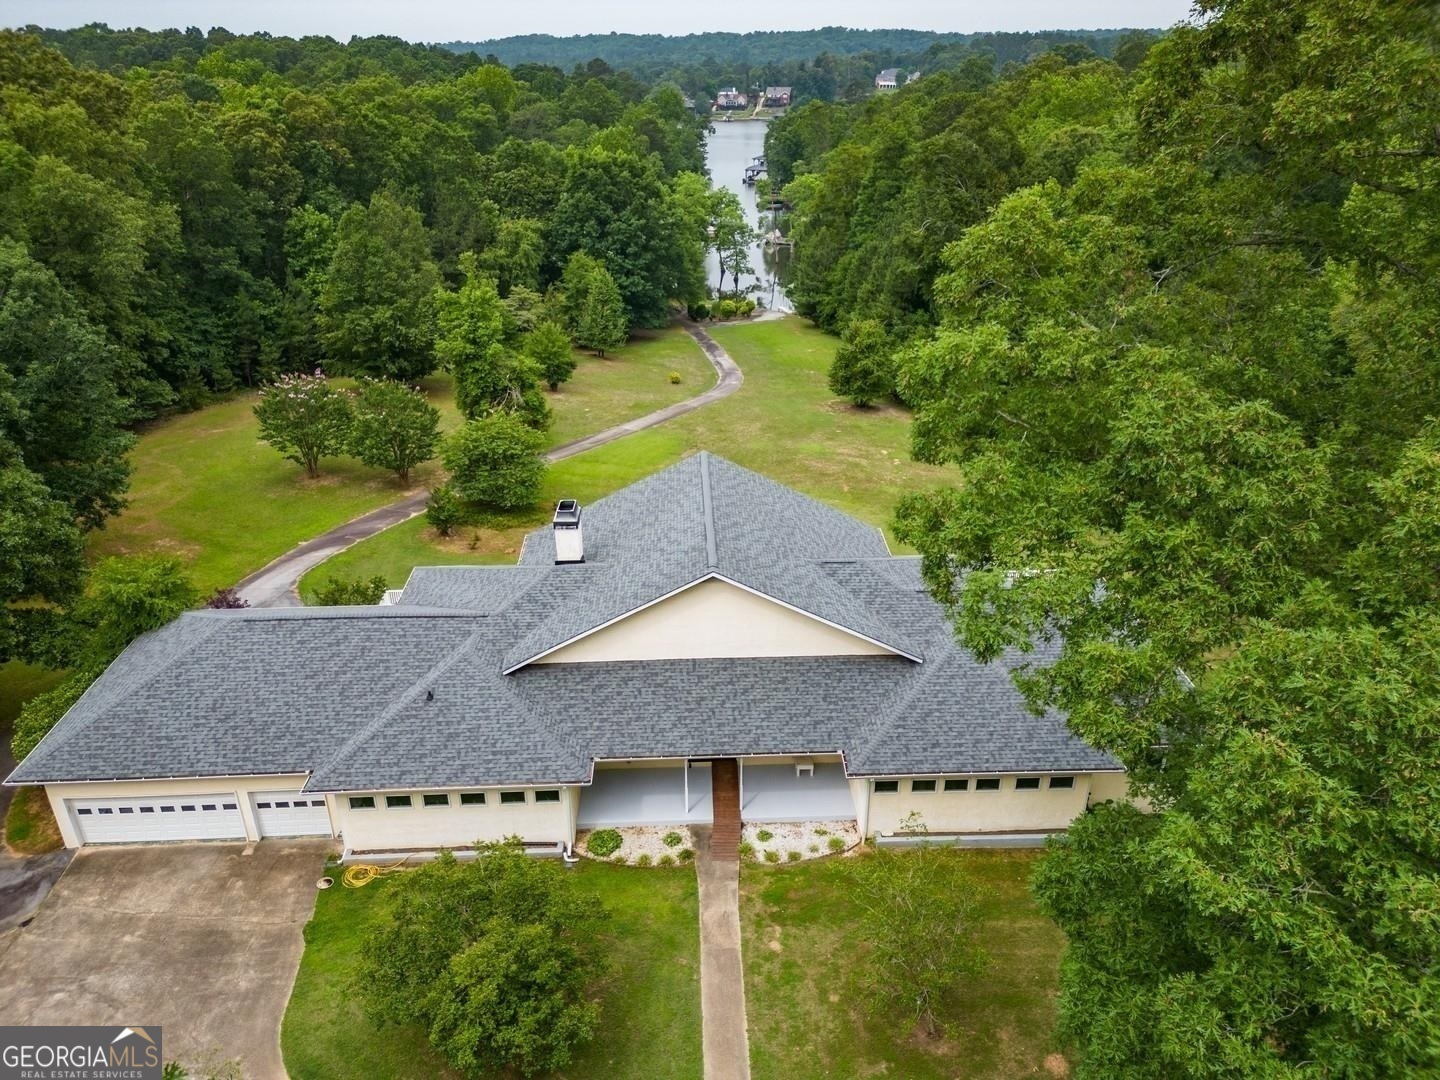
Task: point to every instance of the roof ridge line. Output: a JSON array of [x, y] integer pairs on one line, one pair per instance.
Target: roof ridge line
[[712, 557]]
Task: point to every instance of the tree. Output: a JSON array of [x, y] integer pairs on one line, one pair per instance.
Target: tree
[[305, 418], [375, 308], [863, 369], [394, 427], [43, 711], [548, 348], [919, 917], [731, 236], [592, 305], [475, 331], [494, 957], [496, 461], [344, 592], [129, 596]]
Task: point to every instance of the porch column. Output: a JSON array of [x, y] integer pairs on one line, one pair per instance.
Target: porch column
[[741, 763]]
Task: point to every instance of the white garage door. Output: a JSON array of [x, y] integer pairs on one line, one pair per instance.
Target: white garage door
[[174, 817], [289, 813]]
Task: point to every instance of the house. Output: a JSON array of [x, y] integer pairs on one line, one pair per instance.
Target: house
[[730, 98], [778, 97], [705, 626], [888, 79]]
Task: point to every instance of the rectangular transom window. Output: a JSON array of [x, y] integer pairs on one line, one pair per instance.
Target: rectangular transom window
[[362, 802], [398, 802], [1062, 781], [548, 795], [512, 796], [922, 785], [961, 784], [886, 787], [436, 798], [472, 798], [1027, 783], [987, 783]]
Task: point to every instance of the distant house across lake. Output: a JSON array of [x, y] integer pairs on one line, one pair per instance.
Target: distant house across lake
[[730, 98], [778, 97], [887, 79]]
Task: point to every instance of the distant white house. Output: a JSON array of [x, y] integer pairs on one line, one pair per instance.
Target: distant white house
[[731, 98], [712, 647], [888, 79]]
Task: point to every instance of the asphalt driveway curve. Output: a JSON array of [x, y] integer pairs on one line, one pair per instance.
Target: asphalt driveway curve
[[278, 583], [201, 939]]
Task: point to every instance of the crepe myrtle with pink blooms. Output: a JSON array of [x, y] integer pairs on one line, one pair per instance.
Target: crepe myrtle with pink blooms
[[305, 418]]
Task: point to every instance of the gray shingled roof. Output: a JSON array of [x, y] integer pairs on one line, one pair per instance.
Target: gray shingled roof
[[417, 695]]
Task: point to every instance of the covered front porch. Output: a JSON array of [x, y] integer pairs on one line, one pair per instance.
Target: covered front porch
[[677, 792], [651, 793]]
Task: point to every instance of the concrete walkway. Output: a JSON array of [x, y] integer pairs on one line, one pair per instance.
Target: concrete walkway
[[278, 584], [724, 1041]]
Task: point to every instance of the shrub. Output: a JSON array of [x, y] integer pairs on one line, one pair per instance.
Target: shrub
[[603, 843], [667, 860], [814, 849], [686, 854], [674, 378], [746, 306], [836, 843], [447, 943], [619, 860], [495, 461], [673, 839], [746, 849], [226, 599], [864, 369], [699, 310], [725, 309], [643, 859], [43, 711], [820, 830], [764, 836], [444, 510], [342, 592], [792, 856], [772, 856]]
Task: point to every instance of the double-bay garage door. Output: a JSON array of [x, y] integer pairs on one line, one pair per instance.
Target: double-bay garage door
[[198, 817], [177, 817]]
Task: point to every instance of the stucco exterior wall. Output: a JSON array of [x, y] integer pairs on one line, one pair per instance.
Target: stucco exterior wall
[[243, 787], [713, 619], [421, 827], [1006, 810]]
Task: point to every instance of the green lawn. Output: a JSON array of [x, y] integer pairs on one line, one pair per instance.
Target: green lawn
[[207, 489], [783, 422], [29, 825], [650, 1020], [807, 1013]]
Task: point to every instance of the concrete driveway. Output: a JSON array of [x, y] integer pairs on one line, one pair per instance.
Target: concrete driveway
[[202, 939]]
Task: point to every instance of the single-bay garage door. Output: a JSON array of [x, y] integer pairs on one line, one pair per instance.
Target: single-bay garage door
[[289, 813], [173, 817]]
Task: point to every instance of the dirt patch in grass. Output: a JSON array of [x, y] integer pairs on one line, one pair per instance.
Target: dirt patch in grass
[[30, 827]]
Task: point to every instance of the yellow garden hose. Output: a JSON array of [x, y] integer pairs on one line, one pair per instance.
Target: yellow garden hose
[[361, 874]]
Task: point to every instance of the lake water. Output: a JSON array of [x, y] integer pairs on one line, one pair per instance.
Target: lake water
[[730, 147]]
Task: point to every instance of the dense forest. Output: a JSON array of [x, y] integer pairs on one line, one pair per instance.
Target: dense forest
[[182, 214], [830, 64], [1176, 329]]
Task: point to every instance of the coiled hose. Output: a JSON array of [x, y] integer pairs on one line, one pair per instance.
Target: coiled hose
[[361, 874]]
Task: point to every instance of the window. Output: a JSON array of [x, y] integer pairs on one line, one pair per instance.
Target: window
[[1062, 781], [1027, 783], [127, 809], [85, 811], [106, 810], [922, 785], [262, 806], [278, 806], [362, 802], [313, 802], [397, 802], [147, 809], [886, 787], [187, 809], [437, 798], [548, 795], [472, 798], [211, 806], [987, 783], [512, 796], [963, 784], [167, 809], [228, 806]]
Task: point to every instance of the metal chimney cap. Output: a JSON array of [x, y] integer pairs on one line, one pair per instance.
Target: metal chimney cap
[[567, 513]]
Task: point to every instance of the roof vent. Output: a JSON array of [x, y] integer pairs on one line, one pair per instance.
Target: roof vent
[[569, 538]]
